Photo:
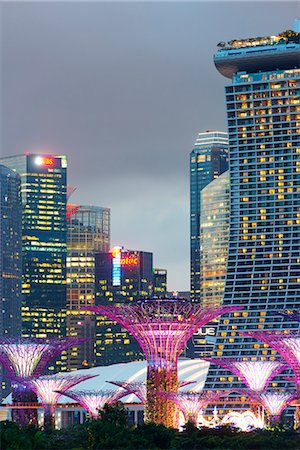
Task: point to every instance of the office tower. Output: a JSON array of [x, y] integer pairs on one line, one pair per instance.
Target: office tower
[[121, 276], [214, 229], [88, 232], [208, 160], [43, 193], [263, 110], [159, 283], [10, 260]]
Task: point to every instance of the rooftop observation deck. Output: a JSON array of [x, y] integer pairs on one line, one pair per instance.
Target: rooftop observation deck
[[259, 54]]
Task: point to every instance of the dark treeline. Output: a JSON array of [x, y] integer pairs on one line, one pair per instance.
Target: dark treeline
[[113, 432]]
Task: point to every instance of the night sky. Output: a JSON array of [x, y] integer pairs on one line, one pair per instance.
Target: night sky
[[123, 89]]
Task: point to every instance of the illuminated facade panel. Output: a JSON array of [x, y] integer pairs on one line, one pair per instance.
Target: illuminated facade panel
[[43, 193], [208, 160], [88, 232], [263, 111], [121, 277]]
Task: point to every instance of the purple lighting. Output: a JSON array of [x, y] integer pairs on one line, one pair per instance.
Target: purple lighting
[[46, 388], [94, 401], [293, 315], [162, 327], [275, 403], [191, 403], [139, 388], [255, 374], [287, 344]]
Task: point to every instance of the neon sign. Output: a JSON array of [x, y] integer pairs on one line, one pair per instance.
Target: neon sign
[[44, 161], [130, 261], [116, 266]]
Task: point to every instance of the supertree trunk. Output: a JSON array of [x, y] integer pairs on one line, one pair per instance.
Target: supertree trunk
[[21, 396], [49, 417], [159, 409], [273, 420]]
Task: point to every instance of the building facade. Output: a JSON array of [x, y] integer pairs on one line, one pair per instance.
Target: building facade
[[121, 276], [10, 259], [160, 283], [214, 230], [208, 160], [44, 242], [263, 111], [88, 232]]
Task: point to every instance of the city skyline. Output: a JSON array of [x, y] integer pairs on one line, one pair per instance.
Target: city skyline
[[148, 56]]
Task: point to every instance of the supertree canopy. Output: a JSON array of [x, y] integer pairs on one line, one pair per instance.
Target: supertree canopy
[[162, 327], [274, 403], [191, 403], [139, 388], [287, 344], [94, 401], [24, 358], [255, 374], [50, 387], [27, 357]]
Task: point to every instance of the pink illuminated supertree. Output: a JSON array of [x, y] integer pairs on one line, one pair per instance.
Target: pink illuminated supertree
[[191, 403], [139, 388], [162, 327], [26, 358], [293, 315], [94, 401], [255, 374], [274, 403], [49, 388], [286, 344]]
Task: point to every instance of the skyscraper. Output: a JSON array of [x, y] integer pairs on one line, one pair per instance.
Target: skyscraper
[[263, 110], [88, 232], [121, 276], [10, 259], [214, 230], [208, 160], [44, 242], [159, 283]]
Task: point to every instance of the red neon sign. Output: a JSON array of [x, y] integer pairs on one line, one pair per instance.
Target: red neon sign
[[48, 161], [130, 261]]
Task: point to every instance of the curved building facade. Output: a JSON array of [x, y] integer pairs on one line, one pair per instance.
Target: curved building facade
[[214, 228], [263, 111]]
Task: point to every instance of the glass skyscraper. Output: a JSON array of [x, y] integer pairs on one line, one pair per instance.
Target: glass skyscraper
[[208, 160], [10, 260], [44, 242], [214, 229], [88, 232], [263, 111]]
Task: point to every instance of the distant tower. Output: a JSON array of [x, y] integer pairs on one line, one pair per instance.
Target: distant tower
[[263, 111], [88, 232], [44, 242], [208, 160], [10, 259]]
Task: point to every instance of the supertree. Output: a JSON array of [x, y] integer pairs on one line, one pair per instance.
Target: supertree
[[255, 374], [162, 327], [286, 344], [139, 388], [94, 401], [274, 403], [191, 403], [49, 388], [26, 358]]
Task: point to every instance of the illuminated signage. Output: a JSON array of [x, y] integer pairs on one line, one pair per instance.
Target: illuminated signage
[[44, 161], [206, 331], [130, 261], [116, 266]]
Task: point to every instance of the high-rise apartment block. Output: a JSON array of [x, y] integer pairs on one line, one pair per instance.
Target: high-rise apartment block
[[121, 276], [159, 283], [263, 111], [44, 242], [208, 160], [88, 233]]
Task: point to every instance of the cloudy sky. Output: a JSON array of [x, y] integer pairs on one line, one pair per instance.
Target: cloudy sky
[[123, 89]]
